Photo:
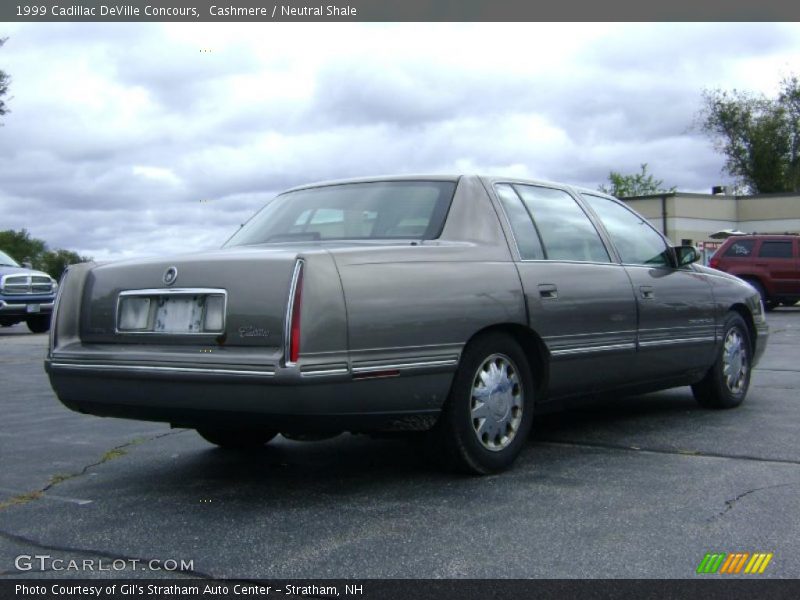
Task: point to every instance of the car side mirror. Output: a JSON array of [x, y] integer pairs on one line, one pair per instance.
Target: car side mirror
[[686, 255]]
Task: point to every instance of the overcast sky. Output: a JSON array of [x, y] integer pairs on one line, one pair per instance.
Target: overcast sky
[[129, 139]]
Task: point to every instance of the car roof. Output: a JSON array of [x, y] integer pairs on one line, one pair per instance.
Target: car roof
[[766, 236], [376, 178], [489, 179]]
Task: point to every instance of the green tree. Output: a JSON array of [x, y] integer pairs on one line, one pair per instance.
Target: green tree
[[759, 136], [636, 184], [55, 262], [4, 81], [20, 246]]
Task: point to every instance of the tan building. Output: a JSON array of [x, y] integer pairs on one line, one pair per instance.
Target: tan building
[[691, 218]]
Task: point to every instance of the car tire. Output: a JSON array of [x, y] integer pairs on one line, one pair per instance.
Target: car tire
[[7, 323], [39, 324], [237, 439], [485, 437], [726, 383]]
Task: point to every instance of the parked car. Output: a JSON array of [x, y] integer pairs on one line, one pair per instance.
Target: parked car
[[25, 295], [768, 262], [460, 305]]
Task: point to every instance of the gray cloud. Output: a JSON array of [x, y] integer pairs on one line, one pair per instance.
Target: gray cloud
[[127, 140]]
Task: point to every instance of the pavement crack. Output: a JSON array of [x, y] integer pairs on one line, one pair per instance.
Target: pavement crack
[[22, 540], [672, 451], [59, 478], [729, 504]]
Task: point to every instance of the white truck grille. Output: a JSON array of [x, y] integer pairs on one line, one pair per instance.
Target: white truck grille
[[23, 285]]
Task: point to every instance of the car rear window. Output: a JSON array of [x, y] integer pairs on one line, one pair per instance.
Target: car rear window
[[740, 248], [373, 210], [776, 249]]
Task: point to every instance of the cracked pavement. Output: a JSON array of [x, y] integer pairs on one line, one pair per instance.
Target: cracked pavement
[[630, 487]]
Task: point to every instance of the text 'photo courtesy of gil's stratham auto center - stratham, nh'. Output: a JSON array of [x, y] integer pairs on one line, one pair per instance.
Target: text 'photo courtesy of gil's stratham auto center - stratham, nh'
[[436, 300]]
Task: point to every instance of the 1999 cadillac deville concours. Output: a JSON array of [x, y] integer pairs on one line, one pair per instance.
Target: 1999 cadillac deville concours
[[461, 305]]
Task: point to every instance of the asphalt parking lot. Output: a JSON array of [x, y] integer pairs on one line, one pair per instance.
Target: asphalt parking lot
[[637, 487]]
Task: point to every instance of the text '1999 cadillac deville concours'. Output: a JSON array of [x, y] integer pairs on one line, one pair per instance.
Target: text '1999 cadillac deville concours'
[[457, 305]]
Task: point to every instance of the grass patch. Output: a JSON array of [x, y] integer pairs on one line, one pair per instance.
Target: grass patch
[[58, 478], [62, 477], [21, 499], [112, 454]]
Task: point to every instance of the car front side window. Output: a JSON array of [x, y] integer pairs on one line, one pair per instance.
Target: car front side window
[[635, 239]]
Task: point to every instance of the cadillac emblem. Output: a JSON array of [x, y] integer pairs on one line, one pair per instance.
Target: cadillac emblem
[[170, 275]]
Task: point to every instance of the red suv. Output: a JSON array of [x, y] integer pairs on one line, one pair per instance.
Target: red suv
[[768, 262]]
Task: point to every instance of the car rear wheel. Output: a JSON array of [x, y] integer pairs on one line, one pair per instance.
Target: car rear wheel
[[39, 324], [726, 383], [488, 415], [237, 439]]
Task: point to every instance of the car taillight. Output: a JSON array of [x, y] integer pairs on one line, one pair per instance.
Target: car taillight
[[713, 262], [295, 304]]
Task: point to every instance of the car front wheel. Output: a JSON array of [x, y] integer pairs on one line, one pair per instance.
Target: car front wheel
[[726, 383], [237, 439], [489, 412]]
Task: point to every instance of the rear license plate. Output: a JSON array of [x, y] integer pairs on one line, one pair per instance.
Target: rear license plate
[[34, 308], [179, 314]]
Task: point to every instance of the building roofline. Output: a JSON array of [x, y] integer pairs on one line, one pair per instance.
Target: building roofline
[[698, 195]]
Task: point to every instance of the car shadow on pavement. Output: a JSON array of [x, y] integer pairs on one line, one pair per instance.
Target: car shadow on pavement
[[349, 465]]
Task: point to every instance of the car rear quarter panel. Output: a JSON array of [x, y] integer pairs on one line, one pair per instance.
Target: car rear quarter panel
[[425, 301], [323, 340]]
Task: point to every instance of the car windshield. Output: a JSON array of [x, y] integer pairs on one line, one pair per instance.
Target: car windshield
[[361, 211], [6, 260]]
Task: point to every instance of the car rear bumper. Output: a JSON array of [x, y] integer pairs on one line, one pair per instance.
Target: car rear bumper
[[272, 396]]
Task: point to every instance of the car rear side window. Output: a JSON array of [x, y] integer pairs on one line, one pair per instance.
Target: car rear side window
[[566, 231], [775, 249], [525, 234], [740, 248]]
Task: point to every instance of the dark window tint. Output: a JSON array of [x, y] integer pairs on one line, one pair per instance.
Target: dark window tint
[[528, 243], [635, 239], [375, 210], [567, 233], [775, 250], [740, 248]]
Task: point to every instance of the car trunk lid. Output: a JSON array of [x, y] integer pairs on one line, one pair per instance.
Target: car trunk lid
[[255, 283]]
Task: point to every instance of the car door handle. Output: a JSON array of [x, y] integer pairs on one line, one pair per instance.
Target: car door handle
[[647, 292], [548, 291]]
